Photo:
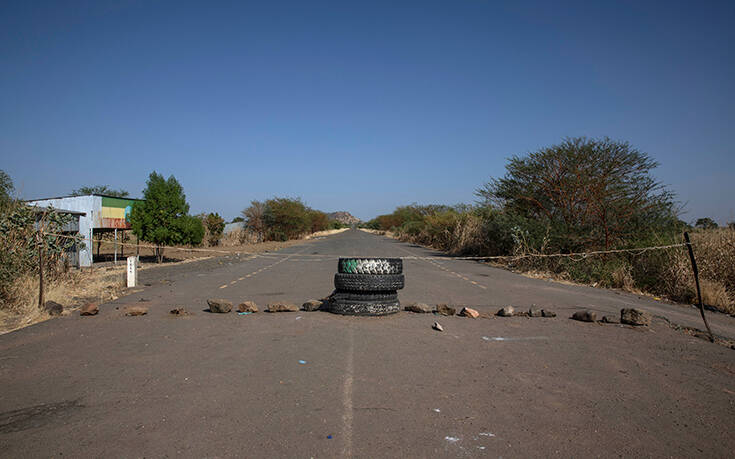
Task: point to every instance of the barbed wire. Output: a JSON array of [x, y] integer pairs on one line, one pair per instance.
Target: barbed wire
[[573, 256]]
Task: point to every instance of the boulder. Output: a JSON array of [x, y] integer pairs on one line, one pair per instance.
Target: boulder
[[535, 312], [506, 311], [585, 316], [247, 306], [445, 310], [219, 305], [135, 311], [420, 308], [89, 309], [312, 305], [53, 308], [632, 316], [609, 320], [469, 312], [282, 307], [547, 313], [179, 312]]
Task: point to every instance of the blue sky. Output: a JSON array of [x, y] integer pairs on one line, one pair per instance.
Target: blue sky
[[359, 106]]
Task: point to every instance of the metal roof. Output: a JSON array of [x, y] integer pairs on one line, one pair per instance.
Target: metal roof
[[85, 195]]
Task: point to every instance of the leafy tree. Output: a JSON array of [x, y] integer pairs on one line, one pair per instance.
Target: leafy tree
[[162, 217], [705, 223], [286, 218], [237, 220], [588, 192], [215, 226], [99, 189]]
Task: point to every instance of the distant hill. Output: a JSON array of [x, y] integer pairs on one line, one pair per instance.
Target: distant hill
[[345, 218]]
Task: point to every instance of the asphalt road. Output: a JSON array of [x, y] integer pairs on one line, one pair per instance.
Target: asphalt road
[[225, 385]]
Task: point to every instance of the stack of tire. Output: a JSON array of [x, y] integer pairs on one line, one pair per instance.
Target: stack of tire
[[367, 286]]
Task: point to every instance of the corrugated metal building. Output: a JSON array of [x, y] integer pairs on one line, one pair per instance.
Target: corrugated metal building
[[71, 227], [101, 213]]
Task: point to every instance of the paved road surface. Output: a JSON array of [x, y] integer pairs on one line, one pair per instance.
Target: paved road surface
[[214, 385]]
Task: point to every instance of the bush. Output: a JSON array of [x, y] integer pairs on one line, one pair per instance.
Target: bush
[[214, 227], [19, 244], [286, 219]]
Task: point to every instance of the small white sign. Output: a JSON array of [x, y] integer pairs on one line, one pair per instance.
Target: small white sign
[[132, 271]]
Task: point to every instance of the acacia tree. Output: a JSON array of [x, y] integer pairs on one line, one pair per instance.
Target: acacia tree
[[162, 217], [589, 192]]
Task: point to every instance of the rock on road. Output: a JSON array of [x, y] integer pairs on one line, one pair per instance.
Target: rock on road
[[313, 384]]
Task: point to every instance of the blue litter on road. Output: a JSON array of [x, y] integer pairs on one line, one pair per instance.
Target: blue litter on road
[[329, 437], [245, 313], [302, 362]]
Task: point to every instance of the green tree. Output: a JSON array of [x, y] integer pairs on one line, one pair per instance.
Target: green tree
[[589, 193], [286, 218], [99, 189], [706, 223], [162, 218], [215, 226]]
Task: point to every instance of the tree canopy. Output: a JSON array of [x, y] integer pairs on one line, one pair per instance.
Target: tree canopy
[[588, 192], [162, 217]]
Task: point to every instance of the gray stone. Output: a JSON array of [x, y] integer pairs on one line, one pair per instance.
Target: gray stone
[[609, 320], [282, 307], [247, 306], [535, 312], [53, 308], [547, 313], [445, 310], [179, 312], [585, 316], [420, 308], [89, 309], [437, 326], [311, 305], [506, 311], [632, 316], [219, 305]]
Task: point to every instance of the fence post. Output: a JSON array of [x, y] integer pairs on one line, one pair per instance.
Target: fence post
[[696, 281], [41, 292]]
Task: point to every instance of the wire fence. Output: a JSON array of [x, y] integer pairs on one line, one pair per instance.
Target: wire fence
[[573, 256]]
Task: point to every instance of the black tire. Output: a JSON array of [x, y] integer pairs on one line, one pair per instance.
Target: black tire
[[369, 282], [370, 266], [364, 296], [364, 308]]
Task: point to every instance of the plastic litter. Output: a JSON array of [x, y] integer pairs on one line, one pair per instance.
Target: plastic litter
[[245, 313], [329, 437], [302, 362]]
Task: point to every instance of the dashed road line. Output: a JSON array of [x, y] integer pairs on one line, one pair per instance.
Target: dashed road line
[[254, 273], [443, 268]]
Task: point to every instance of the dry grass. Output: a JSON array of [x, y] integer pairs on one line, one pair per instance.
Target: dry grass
[[71, 290]]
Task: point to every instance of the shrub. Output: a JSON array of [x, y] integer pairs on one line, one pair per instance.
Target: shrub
[[214, 226]]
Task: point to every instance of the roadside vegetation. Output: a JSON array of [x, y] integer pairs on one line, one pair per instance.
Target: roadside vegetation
[[581, 195]]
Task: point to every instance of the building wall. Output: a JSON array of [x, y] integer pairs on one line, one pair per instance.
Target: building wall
[[91, 206]]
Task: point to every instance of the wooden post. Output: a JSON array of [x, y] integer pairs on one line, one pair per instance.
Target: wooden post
[[115, 258], [41, 293], [696, 281]]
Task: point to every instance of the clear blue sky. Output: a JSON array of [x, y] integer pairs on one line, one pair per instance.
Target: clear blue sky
[[359, 106]]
